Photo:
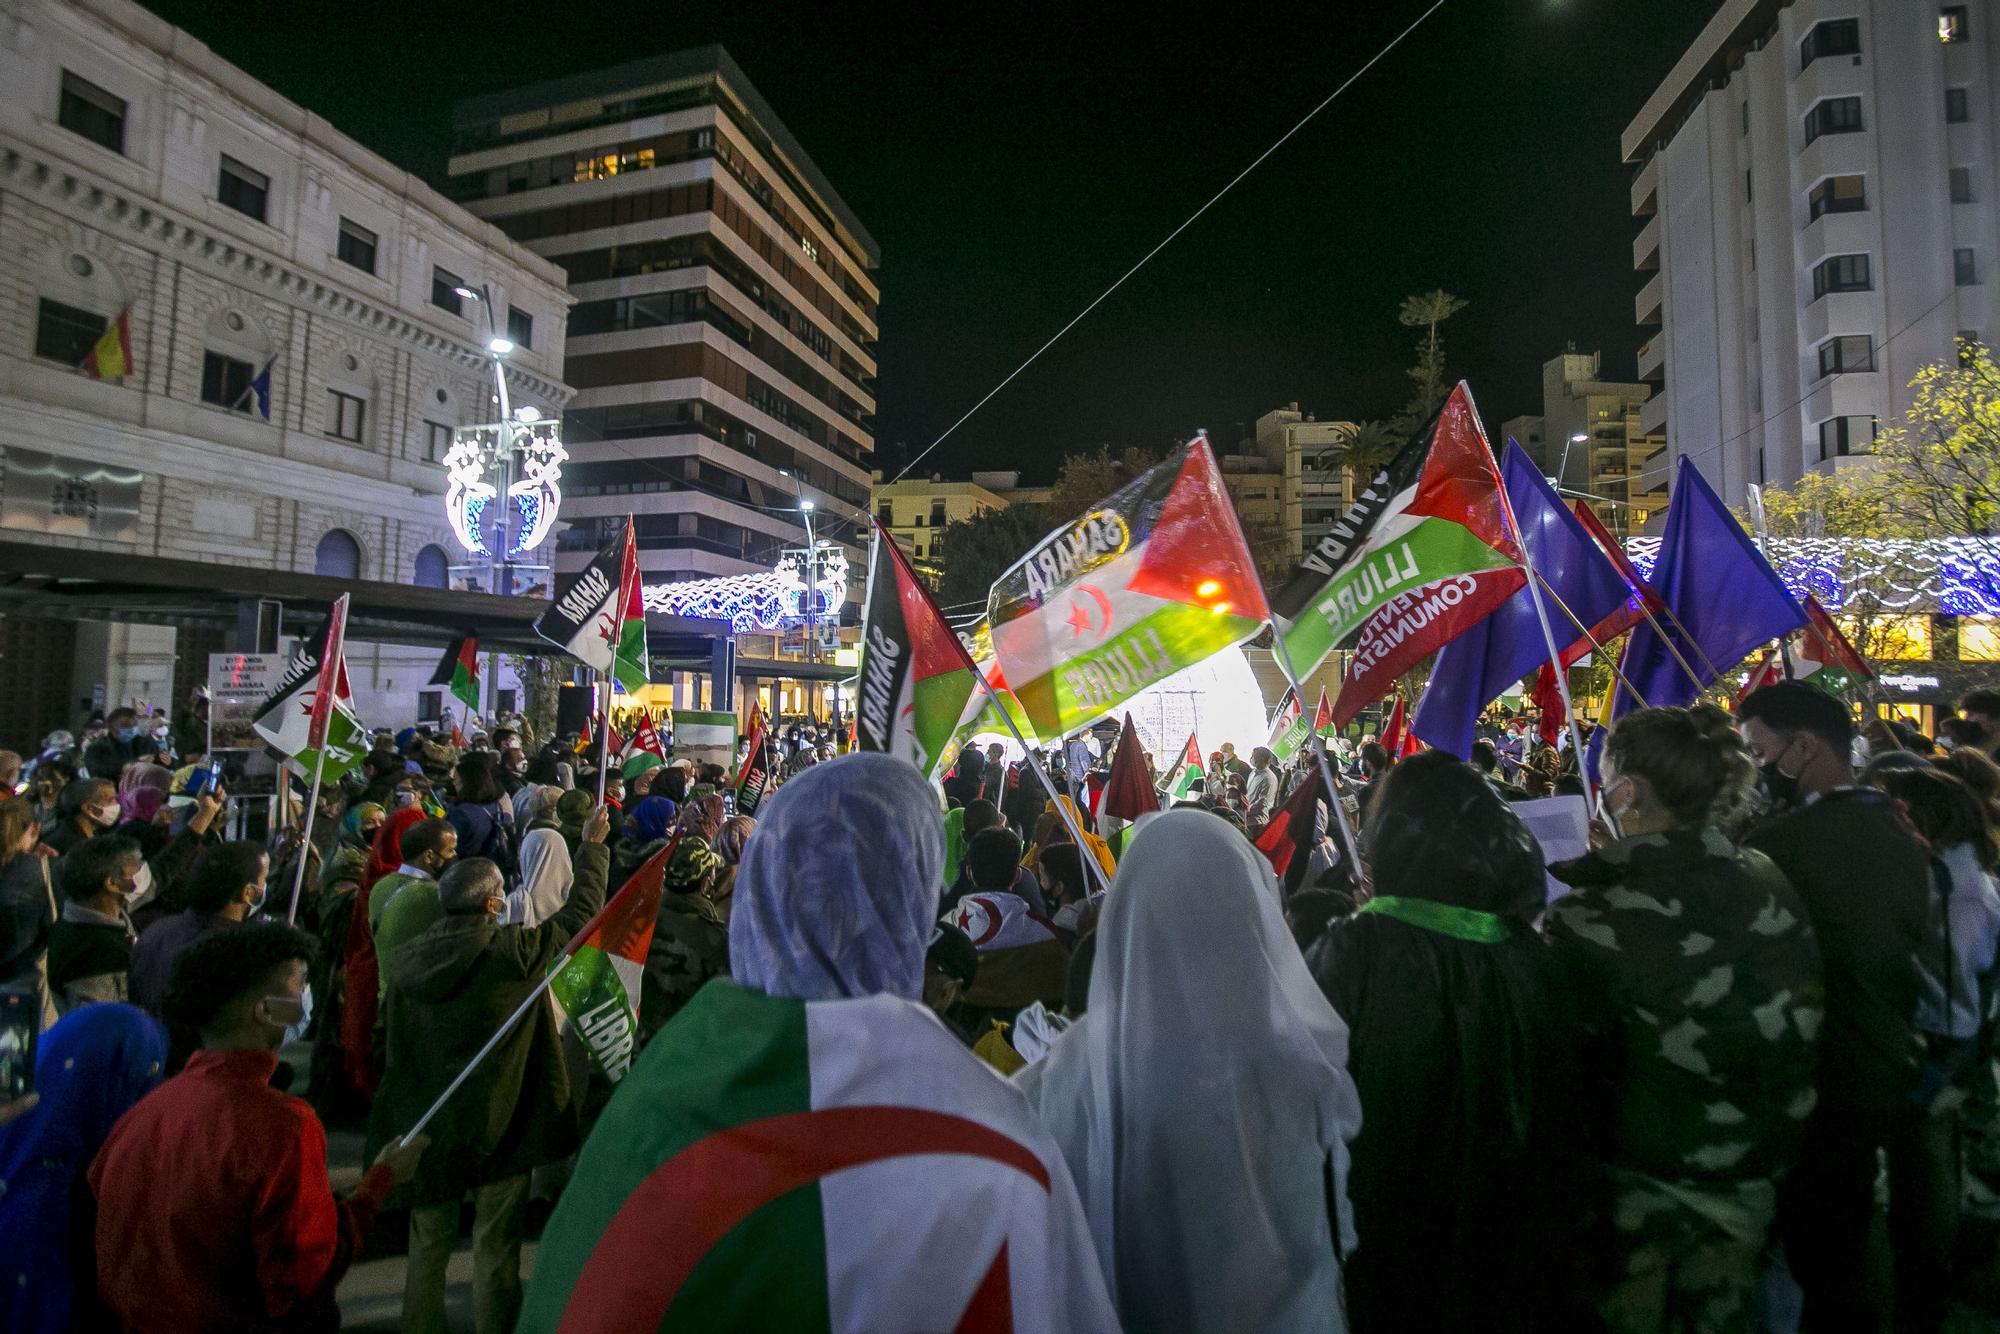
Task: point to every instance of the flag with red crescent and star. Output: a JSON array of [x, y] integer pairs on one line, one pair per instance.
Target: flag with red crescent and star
[[312, 711], [915, 676]]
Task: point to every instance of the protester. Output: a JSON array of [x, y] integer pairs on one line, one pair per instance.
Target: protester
[[1461, 1048], [1698, 983], [340, 882], [89, 1071], [1261, 793], [142, 792], [967, 782], [546, 876], [54, 772], [10, 773], [1866, 886], [448, 991], [408, 898], [90, 945], [27, 906], [951, 964], [87, 807], [690, 942], [361, 967], [478, 813], [229, 884], [644, 833], [121, 744], [213, 1206], [1981, 708], [573, 811], [834, 906]]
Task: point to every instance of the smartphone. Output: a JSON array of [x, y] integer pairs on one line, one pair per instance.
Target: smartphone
[[20, 1026]]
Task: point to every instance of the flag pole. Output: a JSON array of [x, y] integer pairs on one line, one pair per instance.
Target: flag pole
[[603, 736], [1595, 646], [305, 839], [1074, 825], [1621, 563], [1548, 634], [1350, 849], [1756, 495]]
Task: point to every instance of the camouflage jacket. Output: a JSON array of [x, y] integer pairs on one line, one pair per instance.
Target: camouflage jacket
[[690, 946]]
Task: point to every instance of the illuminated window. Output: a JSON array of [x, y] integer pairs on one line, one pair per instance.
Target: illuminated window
[[812, 251], [1979, 639], [1952, 26], [1898, 638]]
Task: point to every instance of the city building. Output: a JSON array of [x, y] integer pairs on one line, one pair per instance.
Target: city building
[[1311, 457], [1815, 185], [915, 510], [1590, 439], [295, 356]]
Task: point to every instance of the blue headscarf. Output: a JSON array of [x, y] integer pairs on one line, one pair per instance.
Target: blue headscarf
[[651, 819], [836, 895], [90, 1069]]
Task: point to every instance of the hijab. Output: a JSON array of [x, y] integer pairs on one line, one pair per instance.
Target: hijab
[[1201, 1109], [736, 831], [1438, 831], [565, 775], [650, 820], [350, 823], [1100, 851], [536, 801], [702, 815], [546, 877], [142, 788], [90, 1069], [836, 895], [387, 853]]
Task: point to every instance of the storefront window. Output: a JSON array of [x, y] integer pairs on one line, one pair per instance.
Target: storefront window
[[1979, 639], [1896, 638]]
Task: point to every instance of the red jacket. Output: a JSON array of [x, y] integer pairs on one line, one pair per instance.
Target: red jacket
[[213, 1207]]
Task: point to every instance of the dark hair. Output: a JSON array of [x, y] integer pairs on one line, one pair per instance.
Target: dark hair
[[60, 767], [1976, 769], [76, 795], [1264, 753], [1309, 912], [424, 836], [1374, 756], [1062, 865], [121, 712], [1696, 765], [981, 815], [1076, 982], [220, 873], [90, 863], [712, 774], [1943, 809], [1794, 706], [1981, 701], [951, 953], [476, 781], [221, 967], [673, 786], [1438, 830], [993, 858], [468, 883], [1959, 731], [1484, 757]]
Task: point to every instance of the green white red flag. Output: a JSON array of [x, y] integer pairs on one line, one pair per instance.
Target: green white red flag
[[312, 709], [1154, 579], [1187, 771], [1288, 727], [597, 990], [459, 670], [1819, 653], [915, 677], [778, 1164], [1420, 557], [1323, 716], [598, 616]]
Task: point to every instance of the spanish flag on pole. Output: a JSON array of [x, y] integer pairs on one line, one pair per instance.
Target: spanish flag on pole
[[110, 358]]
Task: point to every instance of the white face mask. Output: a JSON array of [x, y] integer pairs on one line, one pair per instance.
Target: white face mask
[[142, 887], [103, 815]]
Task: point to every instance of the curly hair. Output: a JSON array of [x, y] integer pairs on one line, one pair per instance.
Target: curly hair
[[1699, 769], [223, 966]]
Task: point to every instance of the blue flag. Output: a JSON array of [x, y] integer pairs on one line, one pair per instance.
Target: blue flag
[[261, 387], [1723, 598], [1472, 670]]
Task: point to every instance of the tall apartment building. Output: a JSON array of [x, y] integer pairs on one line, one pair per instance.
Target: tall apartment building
[[297, 356], [723, 342], [1816, 184], [916, 510], [1589, 438], [1311, 456]]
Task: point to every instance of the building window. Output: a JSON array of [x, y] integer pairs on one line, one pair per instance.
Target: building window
[[444, 291], [242, 188], [937, 514], [1836, 115], [1835, 37], [1838, 194], [432, 569], [1968, 346], [437, 441], [883, 512], [1842, 436], [346, 414], [357, 246], [1978, 639], [338, 555], [1749, 193], [1841, 273], [88, 110], [1850, 352], [918, 522], [520, 327], [65, 333], [225, 381], [1964, 267], [430, 706], [1900, 638], [1957, 106], [1961, 185], [1952, 26]]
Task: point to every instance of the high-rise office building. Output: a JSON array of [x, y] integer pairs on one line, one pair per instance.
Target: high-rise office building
[[1816, 185], [723, 340]]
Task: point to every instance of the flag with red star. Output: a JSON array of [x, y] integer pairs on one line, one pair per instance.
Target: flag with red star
[[598, 615], [915, 675], [312, 710]]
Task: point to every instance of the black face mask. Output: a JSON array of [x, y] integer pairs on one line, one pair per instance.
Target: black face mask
[[1779, 786]]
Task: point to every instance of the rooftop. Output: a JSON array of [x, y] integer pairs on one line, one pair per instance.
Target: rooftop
[[1738, 25]]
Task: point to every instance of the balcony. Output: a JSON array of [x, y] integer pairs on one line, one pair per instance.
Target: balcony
[[1831, 76], [1836, 313], [1853, 394], [1835, 155], [1838, 234], [1646, 306], [1653, 359], [1646, 246], [1653, 415], [1646, 189]]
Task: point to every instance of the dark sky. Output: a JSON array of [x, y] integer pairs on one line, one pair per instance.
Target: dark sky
[[1012, 161]]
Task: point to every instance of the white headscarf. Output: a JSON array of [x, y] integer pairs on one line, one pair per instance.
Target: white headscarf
[[1203, 1102], [546, 876]]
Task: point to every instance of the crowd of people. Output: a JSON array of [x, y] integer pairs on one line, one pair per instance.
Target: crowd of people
[[1432, 1082]]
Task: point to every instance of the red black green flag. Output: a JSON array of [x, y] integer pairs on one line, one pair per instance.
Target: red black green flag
[[915, 675], [459, 669]]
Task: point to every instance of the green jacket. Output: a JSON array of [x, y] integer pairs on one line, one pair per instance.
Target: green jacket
[[449, 991], [408, 910], [382, 894]]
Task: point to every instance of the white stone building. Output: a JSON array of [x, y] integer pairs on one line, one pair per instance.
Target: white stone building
[[1816, 183], [239, 232]]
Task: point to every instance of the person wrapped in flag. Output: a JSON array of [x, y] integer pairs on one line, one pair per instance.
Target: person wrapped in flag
[[805, 1146]]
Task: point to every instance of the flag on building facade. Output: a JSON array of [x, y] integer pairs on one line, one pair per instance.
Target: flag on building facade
[[1187, 771], [1129, 792], [459, 669], [1721, 600], [110, 357], [1288, 727], [1421, 555], [597, 991], [753, 776], [312, 709], [1156, 578], [915, 677], [598, 615]]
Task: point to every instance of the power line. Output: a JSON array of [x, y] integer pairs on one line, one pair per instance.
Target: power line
[[1189, 222]]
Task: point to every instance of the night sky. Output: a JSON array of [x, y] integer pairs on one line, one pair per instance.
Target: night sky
[[1012, 161]]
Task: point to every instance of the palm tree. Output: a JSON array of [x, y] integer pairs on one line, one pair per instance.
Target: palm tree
[[1426, 311]]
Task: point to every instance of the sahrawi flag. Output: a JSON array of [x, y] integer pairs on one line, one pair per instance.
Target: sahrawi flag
[[1156, 578], [753, 776], [779, 1164], [597, 989], [1288, 728], [915, 676], [459, 669], [1187, 771], [982, 714], [1420, 556], [599, 616], [312, 710]]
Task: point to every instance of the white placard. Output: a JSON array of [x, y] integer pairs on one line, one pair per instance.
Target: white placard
[[1562, 826]]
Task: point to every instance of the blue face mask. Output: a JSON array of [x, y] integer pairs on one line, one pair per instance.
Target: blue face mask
[[127, 733]]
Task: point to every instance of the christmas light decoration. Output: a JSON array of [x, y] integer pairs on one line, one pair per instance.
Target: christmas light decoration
[[1951, 576], [471, 465], [759, 602]]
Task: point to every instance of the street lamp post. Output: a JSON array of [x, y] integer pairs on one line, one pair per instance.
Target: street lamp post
[[1562, 473], [812, 590], [497, 348]]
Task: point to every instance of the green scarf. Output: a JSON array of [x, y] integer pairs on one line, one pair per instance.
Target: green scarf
[[1482, 928]]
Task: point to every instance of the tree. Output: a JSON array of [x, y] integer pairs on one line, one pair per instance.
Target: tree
[[541, 679], [1427, 311], [977, 551], [1373, 445], [1086, 479], [1944, 465]]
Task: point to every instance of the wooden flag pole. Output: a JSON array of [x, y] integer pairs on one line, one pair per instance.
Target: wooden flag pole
[[1074, 825]]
